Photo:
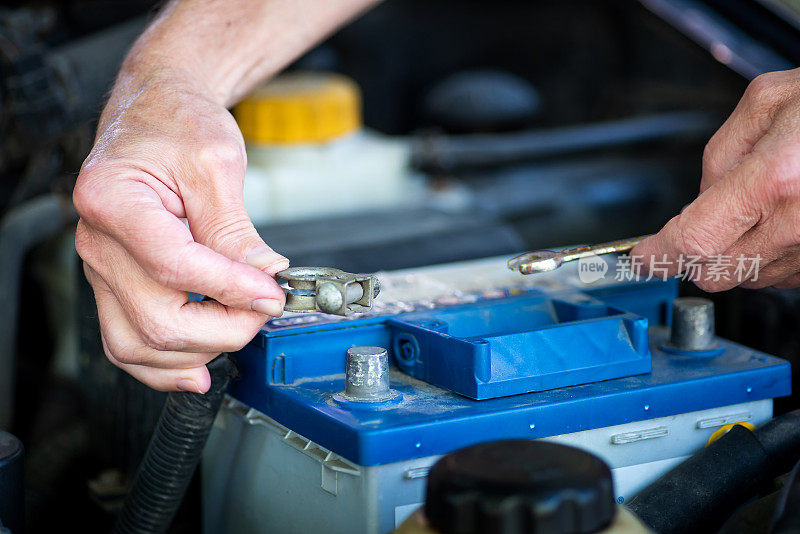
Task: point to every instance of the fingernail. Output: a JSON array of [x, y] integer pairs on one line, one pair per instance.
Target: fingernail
[[263, 257], [277, 267], [267, 307], [184, 384]]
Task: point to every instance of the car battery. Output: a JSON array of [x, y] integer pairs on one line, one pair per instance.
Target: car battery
[[476, 353]]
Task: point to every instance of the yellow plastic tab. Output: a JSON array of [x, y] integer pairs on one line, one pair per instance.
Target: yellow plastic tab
[[721, 431], [300, 107]]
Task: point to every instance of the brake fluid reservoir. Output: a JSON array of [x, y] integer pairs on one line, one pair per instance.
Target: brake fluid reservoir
[[308, 154]]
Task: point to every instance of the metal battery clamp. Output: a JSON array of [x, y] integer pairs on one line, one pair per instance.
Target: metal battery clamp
[[327, 290]]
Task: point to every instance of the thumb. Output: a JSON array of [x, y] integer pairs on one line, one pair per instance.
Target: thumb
[[222, 224]]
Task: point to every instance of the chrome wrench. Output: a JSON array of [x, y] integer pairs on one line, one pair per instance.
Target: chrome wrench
[[541, 261]]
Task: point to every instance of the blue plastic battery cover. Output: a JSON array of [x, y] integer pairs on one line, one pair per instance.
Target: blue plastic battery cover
[[530, 365]]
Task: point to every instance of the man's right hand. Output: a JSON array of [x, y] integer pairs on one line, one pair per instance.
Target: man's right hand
[[160, 200]]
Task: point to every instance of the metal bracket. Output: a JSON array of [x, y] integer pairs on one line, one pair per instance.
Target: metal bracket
[[327, 290]]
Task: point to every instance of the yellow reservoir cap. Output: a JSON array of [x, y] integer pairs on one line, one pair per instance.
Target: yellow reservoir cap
[[300, 107]]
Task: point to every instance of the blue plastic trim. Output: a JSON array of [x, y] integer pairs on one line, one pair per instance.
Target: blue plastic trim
[[714, 351], [520, 344]]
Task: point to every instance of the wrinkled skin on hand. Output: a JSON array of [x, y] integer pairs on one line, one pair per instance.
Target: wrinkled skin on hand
[[160, 201], [749, 201]]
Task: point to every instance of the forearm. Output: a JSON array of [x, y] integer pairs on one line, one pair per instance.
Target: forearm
[[227, 47]]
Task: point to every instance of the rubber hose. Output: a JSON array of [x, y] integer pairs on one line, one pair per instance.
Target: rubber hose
[[787, 516], [699, 494], [22, 228], [88, 66], [466, 150], [173, 454], [780, 437]]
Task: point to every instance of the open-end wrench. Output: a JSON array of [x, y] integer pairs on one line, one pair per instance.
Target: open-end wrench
[[541, 261]]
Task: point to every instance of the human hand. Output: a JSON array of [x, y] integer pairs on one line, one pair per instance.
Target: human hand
[[160, 200], [749, 201]]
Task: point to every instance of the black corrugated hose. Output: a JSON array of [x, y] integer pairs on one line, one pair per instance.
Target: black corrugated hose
[[699, 494], [173, 454]]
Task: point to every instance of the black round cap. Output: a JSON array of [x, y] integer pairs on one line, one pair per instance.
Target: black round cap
[[11, 483], [519, 487], [10, 447]]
